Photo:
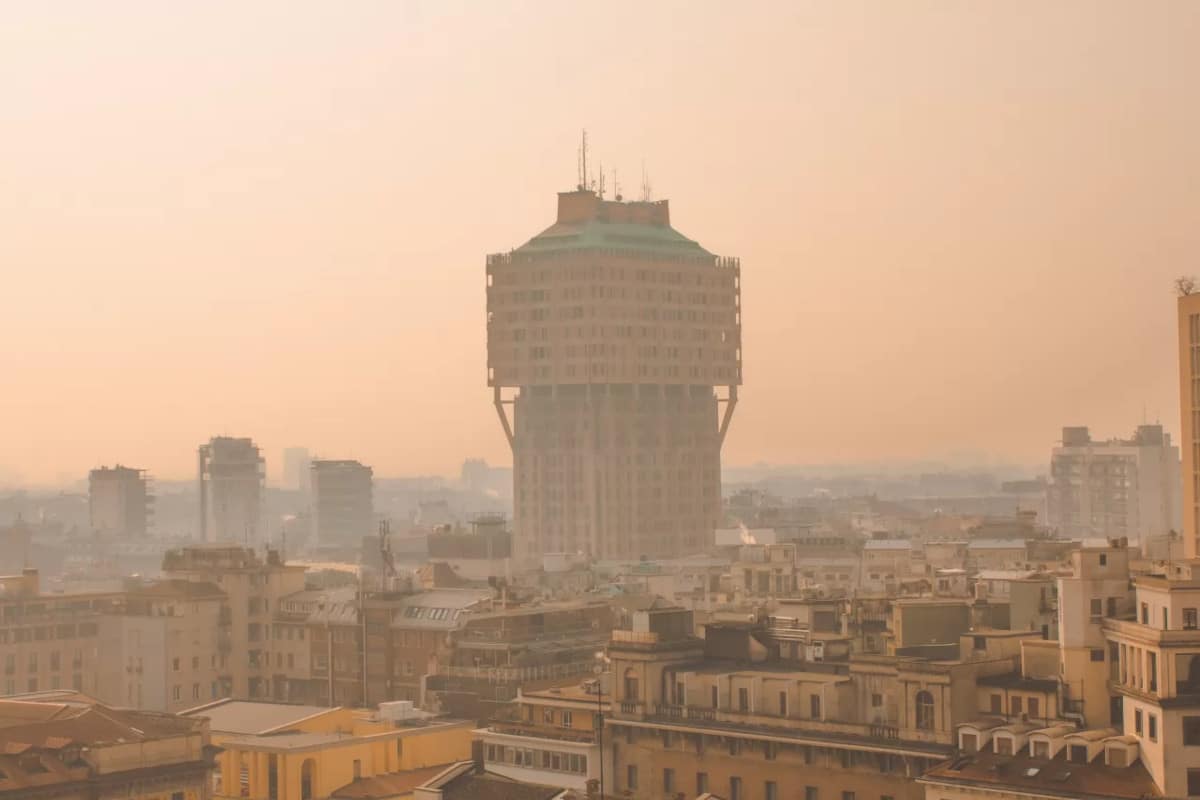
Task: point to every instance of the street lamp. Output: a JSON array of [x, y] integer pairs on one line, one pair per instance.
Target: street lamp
[[601, 662]]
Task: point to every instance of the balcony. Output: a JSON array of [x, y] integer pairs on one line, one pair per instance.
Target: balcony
[[929, 741], [532, 731]]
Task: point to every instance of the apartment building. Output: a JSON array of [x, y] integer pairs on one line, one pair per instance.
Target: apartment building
[[231, 474], [253, 586], [160, 650], [552, 737], [50, 641], [1116, 488], [728, 715], [119, 501], [343, 506]]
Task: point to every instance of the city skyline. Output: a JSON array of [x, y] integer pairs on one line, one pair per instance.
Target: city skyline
[[1049, 148]]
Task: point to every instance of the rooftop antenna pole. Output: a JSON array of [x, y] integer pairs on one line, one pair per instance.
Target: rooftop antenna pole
[[645, 184], [601, 180], [583, 162], [616, 186]]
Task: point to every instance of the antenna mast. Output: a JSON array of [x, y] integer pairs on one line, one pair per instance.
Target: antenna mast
[[583, 163], [645, 184], [601, 180]]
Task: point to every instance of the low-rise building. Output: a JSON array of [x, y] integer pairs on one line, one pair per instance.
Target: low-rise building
[[74, 748]]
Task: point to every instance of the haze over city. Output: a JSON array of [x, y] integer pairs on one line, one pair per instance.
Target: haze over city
[[958, 223]]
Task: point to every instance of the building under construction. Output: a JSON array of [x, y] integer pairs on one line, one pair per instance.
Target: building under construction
[[231, 474], [609, 334]]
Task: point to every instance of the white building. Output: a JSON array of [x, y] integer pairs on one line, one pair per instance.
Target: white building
[[1117, 488]]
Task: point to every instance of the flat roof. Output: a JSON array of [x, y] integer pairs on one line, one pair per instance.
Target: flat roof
[[249, 717]]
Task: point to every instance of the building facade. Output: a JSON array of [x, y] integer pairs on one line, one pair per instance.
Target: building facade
[[343, 508], [614, 331], [119, 501], [1116, 488], [231, 474]]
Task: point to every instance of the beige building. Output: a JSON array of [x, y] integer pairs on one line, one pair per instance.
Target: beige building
[[343, 509], [119, 501], [614, 330], [49, 641], [253, 586], [161, 651], [1115, 488]]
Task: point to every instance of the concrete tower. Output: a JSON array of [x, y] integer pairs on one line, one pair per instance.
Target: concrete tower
[[612, 333], [231, 476]]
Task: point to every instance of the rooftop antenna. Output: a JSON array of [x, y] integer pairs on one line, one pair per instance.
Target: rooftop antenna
[[601, 180], [645, 184], [616, 186], [583, 163]]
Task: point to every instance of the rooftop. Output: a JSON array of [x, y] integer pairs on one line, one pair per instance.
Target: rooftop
[[249, 717], [1055, 777]]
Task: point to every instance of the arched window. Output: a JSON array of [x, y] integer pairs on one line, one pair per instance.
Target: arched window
[[924, 711]]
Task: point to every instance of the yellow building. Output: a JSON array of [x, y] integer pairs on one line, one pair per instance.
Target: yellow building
[[274, 751]]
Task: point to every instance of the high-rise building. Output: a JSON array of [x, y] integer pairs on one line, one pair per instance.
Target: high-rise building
[[343, 512], [119, 500], [296, 467], [1189, 407], [615, 331], [1118, 488], [231, 476]]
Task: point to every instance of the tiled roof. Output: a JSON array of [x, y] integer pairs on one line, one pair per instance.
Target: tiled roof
[[1055, 777], [244, 716], [389, 784]]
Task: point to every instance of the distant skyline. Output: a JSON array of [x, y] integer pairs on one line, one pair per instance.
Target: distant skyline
[[958, 223]]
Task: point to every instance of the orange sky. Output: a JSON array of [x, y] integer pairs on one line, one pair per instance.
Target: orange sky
[[958, 222]]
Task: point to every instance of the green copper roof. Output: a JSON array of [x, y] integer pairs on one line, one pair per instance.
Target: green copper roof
[[612, 235]]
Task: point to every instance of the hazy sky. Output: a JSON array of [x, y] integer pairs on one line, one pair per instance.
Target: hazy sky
[[958, 221]]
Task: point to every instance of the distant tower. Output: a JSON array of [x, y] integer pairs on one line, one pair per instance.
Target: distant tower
[[119, 501], [296, 469], [343, 511], [615, 331], [231, 476]]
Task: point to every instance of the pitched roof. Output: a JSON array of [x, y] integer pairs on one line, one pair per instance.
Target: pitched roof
[[388, 784]]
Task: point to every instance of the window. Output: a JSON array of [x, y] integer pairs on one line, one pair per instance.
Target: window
[[1015, 704], [1166, 619], [1097, 654], [770, 751], [175, 665], [1111, 606], [1137, 721], [1078, 754], [565, 719], [631, 777], [1152, 669], [1193, 782], [770, 791], [1033, 705], [714, 697], [877, 700], [743, 699], [1041, 749], [1189, 619], [668, 780], [1152, 727], [176, 692], [357, 769], [701, 782], [1097, 607], [1191, 731], [735, 788], [1103, 559], [1145, 613], [810, 793], [997, 702], [783, 704], [847, 795], [924, 704], [814, 706]]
